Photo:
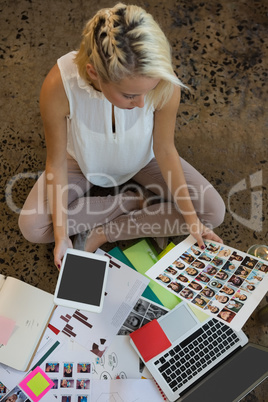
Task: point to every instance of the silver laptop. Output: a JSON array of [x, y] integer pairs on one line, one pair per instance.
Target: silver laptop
[[193, 349]]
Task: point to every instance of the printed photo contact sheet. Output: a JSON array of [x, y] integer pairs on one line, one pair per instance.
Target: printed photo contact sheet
[[220, 280]]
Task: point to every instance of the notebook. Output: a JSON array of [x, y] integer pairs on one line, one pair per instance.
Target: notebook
[[178, 350]]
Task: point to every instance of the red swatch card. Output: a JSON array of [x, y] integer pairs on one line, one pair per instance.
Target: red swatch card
[[150, 340]]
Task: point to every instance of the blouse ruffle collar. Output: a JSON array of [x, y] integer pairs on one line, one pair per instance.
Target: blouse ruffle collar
[[87, 87]]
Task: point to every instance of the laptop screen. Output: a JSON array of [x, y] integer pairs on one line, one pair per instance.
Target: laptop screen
[[233, 379]]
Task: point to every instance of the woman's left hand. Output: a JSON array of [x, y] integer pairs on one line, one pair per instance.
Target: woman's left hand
[[200, 232]]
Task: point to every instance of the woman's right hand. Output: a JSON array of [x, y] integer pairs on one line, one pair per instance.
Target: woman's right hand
[[60, 249]]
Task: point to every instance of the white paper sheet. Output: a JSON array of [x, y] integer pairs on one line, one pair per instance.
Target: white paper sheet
[[221, 281], [125, 391], [70, 369], [120, 361]]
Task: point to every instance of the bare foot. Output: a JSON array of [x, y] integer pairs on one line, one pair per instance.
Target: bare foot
[[95, 239]]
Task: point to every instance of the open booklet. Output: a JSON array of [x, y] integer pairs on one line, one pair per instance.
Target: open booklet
[[24, 313], [223, 282]]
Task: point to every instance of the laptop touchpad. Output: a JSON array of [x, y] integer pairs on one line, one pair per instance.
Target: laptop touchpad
[[177, 322]]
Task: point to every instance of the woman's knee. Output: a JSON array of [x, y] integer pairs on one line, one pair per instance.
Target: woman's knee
[[33, 230], [213, 208]]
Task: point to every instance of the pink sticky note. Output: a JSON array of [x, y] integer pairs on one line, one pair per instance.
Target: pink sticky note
[[36, 384], [6, 328]]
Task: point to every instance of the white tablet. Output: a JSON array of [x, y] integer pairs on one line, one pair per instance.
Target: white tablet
[[82, 281]]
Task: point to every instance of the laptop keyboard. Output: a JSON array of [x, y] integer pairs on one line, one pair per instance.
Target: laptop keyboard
[[187, 359]]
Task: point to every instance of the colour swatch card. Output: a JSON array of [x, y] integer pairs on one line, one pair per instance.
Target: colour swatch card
[[222, 281], [96, 331]]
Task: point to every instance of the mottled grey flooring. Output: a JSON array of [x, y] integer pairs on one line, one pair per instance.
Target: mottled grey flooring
[[220, 52]]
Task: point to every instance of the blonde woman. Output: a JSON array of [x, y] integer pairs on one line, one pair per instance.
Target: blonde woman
[[109, 113]]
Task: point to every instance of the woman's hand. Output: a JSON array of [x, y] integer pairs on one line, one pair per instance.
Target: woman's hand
[[60, 249], [201, 232]]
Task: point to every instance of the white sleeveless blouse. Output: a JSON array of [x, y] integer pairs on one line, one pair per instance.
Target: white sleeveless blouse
[[105, 157]]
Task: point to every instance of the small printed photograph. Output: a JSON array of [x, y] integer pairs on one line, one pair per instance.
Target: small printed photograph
[[67, 369], [236, 257], [240, 295], [170, 270], [188, 258], [56, 383], [198, 264], [64, 383], [222, 275], [249, 262], [202, 278], [236, 281], [187, 293], [83, 367], [218, 262], [15, 395], [154, 312], [133, 321], [194, 250], [195, 286], [82, 398], [242, 271], [82, 383], [124, 331], [256, 276], [3, 389], [208, 292], [212, 308], [229, 267], [200, 301], [228, 290], [178, 264], [213, 248], [163, 278], [216, 284], [224, 252], [141, 306], [210, 270], [223, 299], [248, 286], [262, 267], [52, 367], [175, 286], [182, 278], [234, 305], [226, 315], [191, 271], [205, 257], [66, 398]]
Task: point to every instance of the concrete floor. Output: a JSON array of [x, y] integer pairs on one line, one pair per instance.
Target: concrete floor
[[220, 51]]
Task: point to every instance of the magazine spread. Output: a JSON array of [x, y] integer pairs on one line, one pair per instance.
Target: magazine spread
[[223, 282]]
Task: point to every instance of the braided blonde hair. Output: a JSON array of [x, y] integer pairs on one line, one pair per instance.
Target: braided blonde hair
[[126, 41]]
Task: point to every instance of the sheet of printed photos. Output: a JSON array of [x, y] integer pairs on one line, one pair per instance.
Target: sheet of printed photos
[[143, 312], [71, 380], [220, 280]]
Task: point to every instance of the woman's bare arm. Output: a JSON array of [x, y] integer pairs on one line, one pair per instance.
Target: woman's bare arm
[[54, 107], [169, 162]]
